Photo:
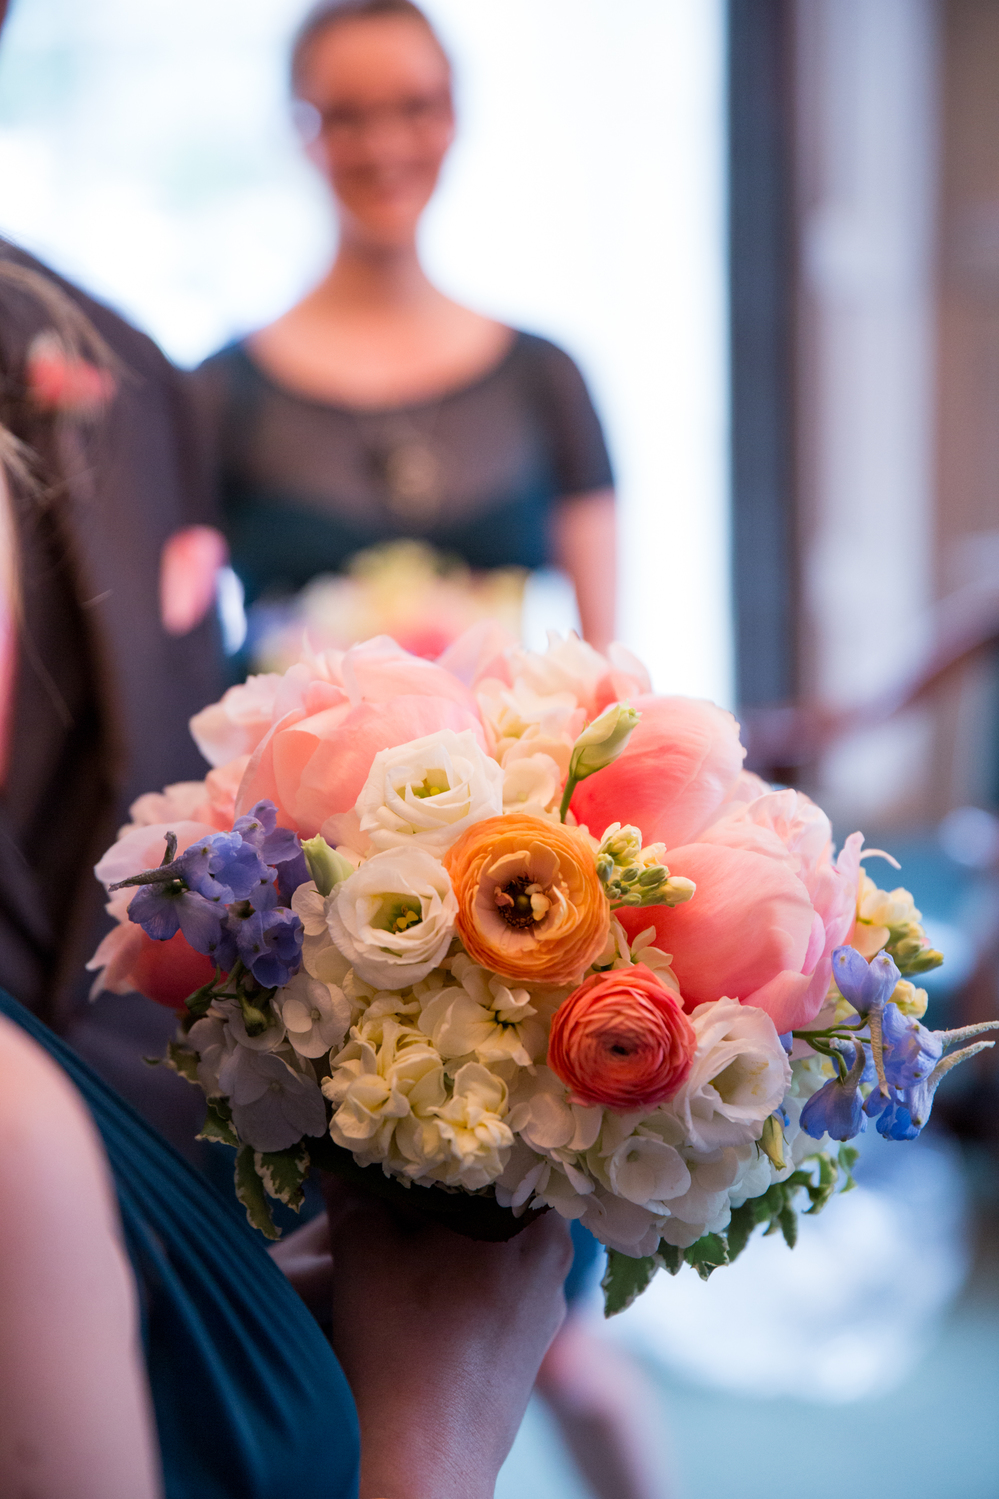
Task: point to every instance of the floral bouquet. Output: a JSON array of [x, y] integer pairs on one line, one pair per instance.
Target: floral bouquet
[[404, 589], [505, 932]]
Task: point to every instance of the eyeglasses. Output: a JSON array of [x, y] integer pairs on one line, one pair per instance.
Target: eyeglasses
[[346, 124]]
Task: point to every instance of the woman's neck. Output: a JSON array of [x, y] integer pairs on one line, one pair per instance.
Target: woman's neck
[[366, 279]]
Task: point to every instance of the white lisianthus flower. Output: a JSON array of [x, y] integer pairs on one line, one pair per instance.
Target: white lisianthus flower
[[429, 791], [483, 1018], [316, 1016], [273, 1106], [531, 783], [472, 1124], [393, 918], [739, 1075]]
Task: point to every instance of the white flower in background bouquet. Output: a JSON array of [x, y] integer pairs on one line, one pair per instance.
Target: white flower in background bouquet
[[405, 589], [506, 932]]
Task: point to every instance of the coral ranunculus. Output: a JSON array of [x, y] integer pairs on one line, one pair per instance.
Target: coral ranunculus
[[681, 763], [530, 905], [622, 1041]]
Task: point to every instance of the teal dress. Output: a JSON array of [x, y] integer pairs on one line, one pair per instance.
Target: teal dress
[[250, 1401]]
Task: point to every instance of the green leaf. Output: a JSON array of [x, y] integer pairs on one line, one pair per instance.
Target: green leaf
[[218, 1123], [788, 1220], [828, 1176], [670, 1256], [848, 1156], [283, 1172], [250, 1191], [740, 1228], [707, 1254], [184, 1061], [625, 1278]]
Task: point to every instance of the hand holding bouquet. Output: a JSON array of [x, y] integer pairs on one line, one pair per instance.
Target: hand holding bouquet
[[508, 933]]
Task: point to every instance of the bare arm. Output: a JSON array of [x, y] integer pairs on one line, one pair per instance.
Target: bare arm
[[75, 1419], [440, 1339], [586, 550]]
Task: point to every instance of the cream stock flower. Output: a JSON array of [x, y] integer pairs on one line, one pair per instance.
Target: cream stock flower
[[472, 1125], [386, 1073], [429, 791], [393, 918]]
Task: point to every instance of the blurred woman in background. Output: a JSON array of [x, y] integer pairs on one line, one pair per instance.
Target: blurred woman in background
[[377, 407]]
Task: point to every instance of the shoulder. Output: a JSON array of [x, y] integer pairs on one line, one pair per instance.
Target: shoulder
[[27, 310], [47, 1135], [543, 354]]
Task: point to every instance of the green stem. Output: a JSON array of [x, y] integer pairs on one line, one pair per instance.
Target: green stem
[[571, 783]]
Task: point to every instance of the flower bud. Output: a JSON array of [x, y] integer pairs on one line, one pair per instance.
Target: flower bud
[[602, 741], [326, 866]]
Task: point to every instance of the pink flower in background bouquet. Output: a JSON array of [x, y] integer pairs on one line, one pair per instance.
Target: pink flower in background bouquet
[[507, 932]]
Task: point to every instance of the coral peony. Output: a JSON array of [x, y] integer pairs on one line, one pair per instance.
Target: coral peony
[[621, 1041], [530, 905], [168, 972], [682, 761], [750, 933]]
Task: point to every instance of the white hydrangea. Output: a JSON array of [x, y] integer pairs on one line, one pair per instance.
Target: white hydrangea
[[315, 1016], [273, 1104], [429, 791], [483, 1018]]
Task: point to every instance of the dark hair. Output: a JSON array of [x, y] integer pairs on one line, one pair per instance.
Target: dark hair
[[328, 13]]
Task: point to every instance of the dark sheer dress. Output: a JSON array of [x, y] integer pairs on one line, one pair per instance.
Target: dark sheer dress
[[250, 1401], [477, 473]]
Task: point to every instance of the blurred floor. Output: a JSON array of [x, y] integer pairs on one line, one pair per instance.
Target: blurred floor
[[933, 1435]]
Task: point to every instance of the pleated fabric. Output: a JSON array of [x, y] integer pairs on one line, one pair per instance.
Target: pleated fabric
[[249, 1398]]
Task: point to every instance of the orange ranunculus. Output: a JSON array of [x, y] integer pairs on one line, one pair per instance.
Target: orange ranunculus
[[530, 905], [621, 1041]]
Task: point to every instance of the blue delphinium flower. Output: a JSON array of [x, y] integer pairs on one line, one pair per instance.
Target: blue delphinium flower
[[867, 986], [910, 1051], [837, 1109], [269, 943], [278, 847], [903, 1113], [164, 909]]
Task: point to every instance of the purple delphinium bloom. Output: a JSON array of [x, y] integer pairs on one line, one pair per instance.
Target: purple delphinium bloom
[[163, 910], [867, 986], [269, 943], [837, 1109], [910, 1051]]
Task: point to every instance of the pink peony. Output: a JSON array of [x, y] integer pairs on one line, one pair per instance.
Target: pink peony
[[236, 724], [621, 1041], [683, 760], [312, 766]]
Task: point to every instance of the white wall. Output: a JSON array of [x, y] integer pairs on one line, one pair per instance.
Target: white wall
[[144, 149], [868, 111]]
